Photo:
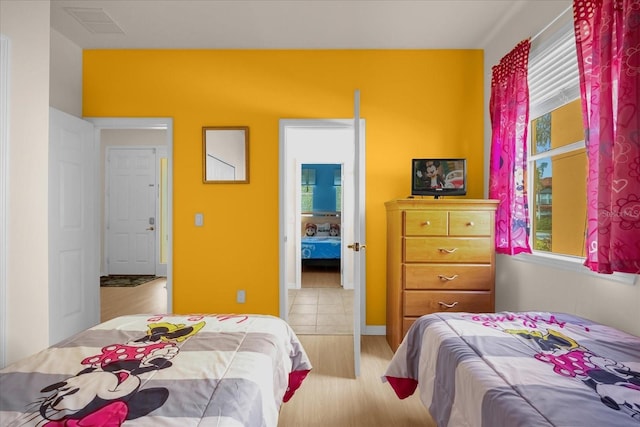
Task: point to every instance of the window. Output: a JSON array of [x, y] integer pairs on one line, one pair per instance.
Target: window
[[558, 165], [307, 198], [308, 183], [557, 161]]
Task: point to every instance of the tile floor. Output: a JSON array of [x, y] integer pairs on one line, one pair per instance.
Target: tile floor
[[316, 311]]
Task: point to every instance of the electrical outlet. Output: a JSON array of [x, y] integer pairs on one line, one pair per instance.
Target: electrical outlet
[[241, 296]]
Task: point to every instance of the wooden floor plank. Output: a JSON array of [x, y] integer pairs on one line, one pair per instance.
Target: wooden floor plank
[[331, 396]]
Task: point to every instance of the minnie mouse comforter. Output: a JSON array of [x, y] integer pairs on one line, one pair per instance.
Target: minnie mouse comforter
[[222, 370], [519, 369]]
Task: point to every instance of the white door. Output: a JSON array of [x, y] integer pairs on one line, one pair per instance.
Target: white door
[[74, 278], [359, 234], [131, 216]]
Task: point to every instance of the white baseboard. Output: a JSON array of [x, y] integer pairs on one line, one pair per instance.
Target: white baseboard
[[374, 330]]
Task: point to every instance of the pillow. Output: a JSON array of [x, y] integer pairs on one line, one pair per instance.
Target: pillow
[[334, 230], [323, 229], [310, 229]]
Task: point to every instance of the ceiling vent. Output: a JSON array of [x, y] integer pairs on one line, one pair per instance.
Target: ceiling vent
[[95, 20]]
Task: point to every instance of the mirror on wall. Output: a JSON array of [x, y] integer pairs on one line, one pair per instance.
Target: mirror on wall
[[226, 154]]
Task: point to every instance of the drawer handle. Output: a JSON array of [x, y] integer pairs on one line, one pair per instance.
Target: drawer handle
[[447, 251], [426, 223], [447, 278], [470, 224], [444, 304]]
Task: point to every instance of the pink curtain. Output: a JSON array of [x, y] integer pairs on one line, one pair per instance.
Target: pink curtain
[[608, 43], [509, 109]]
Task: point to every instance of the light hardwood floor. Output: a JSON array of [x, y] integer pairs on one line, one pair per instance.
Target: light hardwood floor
[[330, 395], [150, 297], [320, 277]]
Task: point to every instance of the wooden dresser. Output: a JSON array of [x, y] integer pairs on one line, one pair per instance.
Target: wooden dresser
[[440, 257]]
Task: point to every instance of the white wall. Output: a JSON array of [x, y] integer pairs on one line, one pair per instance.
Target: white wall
[[26, 24], [527, 286], [522, 285], [65, 76]]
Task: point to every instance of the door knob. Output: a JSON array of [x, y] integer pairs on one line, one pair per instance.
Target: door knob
[[150, 228], [356, 246]]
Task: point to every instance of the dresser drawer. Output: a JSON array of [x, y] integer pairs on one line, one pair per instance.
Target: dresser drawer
[[417, 303], [447, 249], [470, 224], [448, 276], [425, 223]]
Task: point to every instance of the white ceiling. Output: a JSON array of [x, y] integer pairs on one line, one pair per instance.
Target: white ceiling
[[285, 24]]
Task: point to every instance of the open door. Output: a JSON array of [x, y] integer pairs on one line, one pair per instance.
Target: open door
[[74, 284], [358, 245]]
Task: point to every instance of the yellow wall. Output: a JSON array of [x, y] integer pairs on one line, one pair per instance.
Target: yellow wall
[[415, 102]]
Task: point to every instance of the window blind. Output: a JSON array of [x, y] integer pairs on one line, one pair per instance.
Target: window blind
[[553, 67]]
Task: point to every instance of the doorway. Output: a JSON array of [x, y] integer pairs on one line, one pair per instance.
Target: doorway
[[320, 257], [315, 142], [156, 134], [320, 304]]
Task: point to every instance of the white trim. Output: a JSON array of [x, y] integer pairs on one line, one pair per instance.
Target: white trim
[[165, 123], [374, 330], [4, 186], [556, 151]]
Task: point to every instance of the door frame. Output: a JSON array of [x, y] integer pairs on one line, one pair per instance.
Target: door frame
[[4, 190], [163, 123], [284, 162]]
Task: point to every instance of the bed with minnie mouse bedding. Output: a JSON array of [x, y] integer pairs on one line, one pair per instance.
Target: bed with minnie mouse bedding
[[519, 369], [222, 370]]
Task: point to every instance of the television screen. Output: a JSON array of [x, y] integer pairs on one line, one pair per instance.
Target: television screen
[[438, 177]]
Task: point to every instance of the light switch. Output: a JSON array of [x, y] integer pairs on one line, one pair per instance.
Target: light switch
[[199, 220], [241, 296]]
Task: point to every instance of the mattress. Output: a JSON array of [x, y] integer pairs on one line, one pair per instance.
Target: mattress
[[321, 247], [519, 369], [223, 370]]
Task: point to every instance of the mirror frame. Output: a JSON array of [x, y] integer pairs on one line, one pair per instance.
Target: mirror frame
[[226, 135]]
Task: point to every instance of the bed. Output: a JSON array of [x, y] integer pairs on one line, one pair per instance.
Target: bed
[[321, 247], [218, 370], [321, 244], [519, 369]]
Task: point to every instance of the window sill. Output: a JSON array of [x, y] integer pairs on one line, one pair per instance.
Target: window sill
[[573, 264]]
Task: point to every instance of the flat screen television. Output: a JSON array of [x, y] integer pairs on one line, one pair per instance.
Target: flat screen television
[[438, 177]]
